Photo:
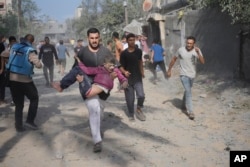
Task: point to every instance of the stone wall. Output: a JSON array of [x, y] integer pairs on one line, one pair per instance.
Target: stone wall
[[217, 38]]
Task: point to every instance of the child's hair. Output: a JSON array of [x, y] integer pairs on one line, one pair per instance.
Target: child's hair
[[110, 59]]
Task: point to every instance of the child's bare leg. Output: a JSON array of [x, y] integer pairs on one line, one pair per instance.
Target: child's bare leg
[[57, 86], [94, 90]]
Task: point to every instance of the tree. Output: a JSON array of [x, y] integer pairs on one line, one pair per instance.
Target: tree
[[106, 15], [239, 10]]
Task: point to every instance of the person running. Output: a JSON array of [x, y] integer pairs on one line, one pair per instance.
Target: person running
[[62, 51], [188, 56], [132, 68], [102, 80], [47, 54], [157, 58], [93, 55], [21, 63]]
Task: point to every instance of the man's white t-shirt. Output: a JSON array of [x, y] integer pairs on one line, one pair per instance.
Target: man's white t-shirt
[[188, 61]]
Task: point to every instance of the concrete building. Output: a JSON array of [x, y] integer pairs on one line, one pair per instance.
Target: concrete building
[[5, 6], [78, 12], [225, 49], [55, 31]]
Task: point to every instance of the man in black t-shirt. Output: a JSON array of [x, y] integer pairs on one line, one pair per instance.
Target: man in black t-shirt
[[47, 54], [132, 68]]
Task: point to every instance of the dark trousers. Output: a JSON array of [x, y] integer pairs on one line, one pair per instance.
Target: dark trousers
[[163, 69], [19, 90], [2, 87], [130, 96], [70, 79]]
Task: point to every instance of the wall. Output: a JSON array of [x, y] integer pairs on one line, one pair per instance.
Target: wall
[[216, 37]]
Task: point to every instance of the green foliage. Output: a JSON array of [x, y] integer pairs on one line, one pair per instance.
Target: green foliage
[[107, 15], [8, 24], [239, 10]]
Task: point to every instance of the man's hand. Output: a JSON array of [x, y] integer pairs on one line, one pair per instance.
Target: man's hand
[[113, 75], [77, 59], [124, 84], [197, 50], [127, 74], [79, 78], [169, 74]]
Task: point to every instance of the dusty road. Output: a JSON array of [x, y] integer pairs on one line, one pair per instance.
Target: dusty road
[[167, 138]]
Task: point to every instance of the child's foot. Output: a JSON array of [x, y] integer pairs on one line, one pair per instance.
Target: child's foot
[[57, 86]]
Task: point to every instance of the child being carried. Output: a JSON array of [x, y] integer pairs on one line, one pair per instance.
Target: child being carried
[[102, 82]]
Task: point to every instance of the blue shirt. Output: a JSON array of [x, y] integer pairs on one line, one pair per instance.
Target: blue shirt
[[61, 49], [158, 52]]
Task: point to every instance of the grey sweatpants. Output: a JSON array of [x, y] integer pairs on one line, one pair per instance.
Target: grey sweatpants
[[95, 107]]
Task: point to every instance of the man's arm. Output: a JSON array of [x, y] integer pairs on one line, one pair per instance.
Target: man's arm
[[200, 57], [141, 68], [33, 58], [40, 53], [152, 56], [55, 53], [67, 52], [171, 64]]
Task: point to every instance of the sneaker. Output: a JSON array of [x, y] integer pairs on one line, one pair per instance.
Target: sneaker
[[139, 115], [97, 147], [31, 125], [191, 115]]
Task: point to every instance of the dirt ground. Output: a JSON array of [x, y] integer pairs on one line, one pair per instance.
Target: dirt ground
[[167, 138]]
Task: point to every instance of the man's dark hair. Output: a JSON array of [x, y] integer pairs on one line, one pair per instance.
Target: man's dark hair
[[124, 36], [79, 40], [12, 38], [192, 38], [29, 38], [115, 34], [130, 35], [93, 30]]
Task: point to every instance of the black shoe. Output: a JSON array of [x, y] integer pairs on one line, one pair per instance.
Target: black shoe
[[22, 129], [31, 125], [97, 147], [12, 103]]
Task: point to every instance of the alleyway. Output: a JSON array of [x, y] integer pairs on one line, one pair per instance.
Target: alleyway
[[167, 138]]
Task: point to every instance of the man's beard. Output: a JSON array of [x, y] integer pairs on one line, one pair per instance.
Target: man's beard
[[94, 47]]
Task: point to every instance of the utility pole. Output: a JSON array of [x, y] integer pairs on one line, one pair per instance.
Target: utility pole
[[19, 12], [126, 11]]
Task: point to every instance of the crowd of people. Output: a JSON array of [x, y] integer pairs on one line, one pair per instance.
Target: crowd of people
[[95, 68]]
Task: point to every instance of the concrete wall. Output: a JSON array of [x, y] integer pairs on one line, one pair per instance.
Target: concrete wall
[[216, 37]]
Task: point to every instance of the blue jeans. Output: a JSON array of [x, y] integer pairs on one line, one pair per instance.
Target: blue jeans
[[187, 97], [130, 97]]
